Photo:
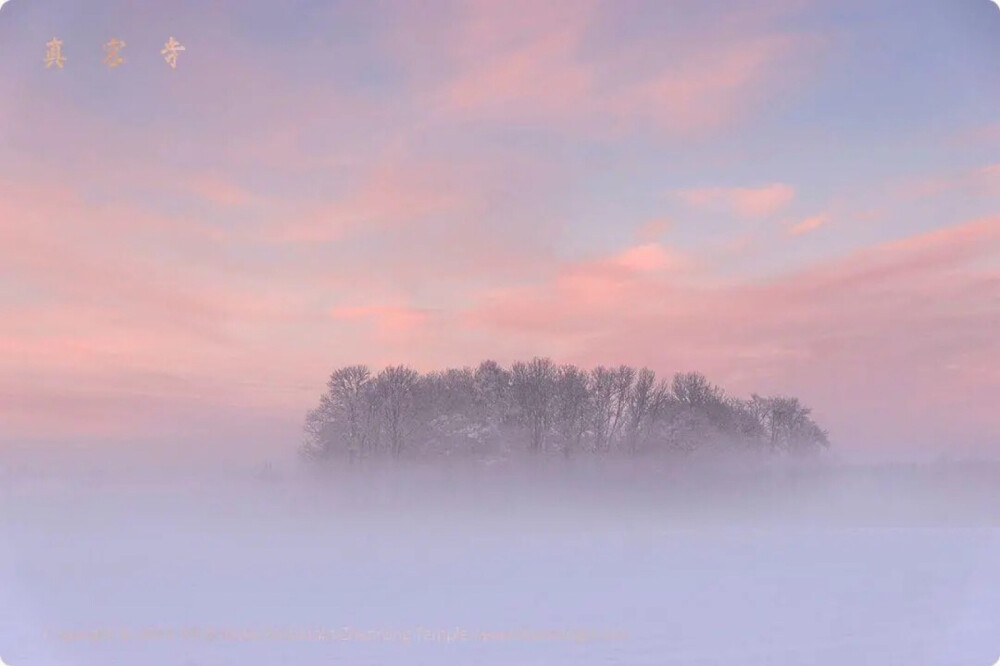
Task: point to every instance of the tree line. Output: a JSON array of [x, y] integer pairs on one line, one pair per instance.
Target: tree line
[[544, 408]]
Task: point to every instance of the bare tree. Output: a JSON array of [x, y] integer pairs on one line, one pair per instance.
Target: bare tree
[[602, 392], [321, 436], [492, 387], [644, 404], [787, 425], [532, 385], [693, 389], [395, 390], [345, 416], [572, 409], [465, 411], [622, 378]]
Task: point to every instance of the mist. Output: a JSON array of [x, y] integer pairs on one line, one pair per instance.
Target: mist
[[705, 560]]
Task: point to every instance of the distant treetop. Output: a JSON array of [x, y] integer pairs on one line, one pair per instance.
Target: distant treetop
[[543, 408]]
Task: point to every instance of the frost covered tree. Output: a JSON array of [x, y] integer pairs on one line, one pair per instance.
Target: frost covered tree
[[610, 388], [533, 388], [573, 408], [492, 396], [646, 400], [395, 392], [539, 407], [345, 420], [786, 425]]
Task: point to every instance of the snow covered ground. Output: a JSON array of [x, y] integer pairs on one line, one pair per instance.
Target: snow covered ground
[[209, 574]]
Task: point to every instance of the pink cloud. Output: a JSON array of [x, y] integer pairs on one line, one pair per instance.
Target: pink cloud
[[983, 181], [807, 225], [390, 320], [583, 294], [653, 230], [515, 82], [230, 301], [870, 336], [509, 69], [708, 89], [744, 201], [214, 188], [648, 258], [390, 196], [401, 190]]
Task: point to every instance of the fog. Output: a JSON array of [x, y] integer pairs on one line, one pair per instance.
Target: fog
[[553, 562]]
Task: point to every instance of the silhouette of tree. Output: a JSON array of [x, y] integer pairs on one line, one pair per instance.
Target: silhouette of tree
[[544, 408]]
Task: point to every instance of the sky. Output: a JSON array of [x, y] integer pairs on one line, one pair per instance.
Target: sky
[[791, 197]]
